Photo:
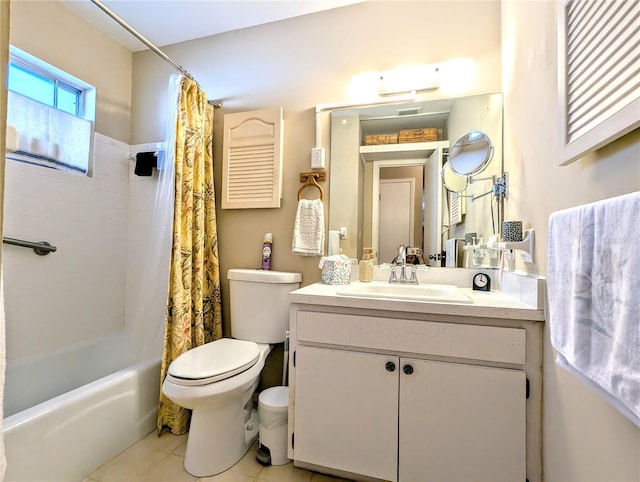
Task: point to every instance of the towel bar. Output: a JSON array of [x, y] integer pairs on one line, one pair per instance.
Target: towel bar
[[41, 248], [310, 180]]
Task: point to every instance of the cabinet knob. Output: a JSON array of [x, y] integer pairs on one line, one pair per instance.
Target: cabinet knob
[[390, 366], [407, 369]]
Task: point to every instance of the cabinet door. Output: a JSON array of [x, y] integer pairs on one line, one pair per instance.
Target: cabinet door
[[346, 407], [461, 423]]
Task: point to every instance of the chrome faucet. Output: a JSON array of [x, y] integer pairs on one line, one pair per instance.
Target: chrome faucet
[[401, 261]]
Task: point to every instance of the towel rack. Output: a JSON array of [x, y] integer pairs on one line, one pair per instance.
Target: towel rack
[[41, 248], [311, 179]]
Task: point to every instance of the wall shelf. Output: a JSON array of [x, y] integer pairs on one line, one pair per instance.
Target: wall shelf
[[526, 246], [409, 150]]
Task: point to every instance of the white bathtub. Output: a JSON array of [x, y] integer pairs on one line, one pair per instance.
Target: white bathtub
[[67, 437]]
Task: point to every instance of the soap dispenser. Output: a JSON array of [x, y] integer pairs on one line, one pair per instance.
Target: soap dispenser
[[366, 265]]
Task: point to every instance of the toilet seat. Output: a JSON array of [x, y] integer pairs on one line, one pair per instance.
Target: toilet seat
[[213, 362]]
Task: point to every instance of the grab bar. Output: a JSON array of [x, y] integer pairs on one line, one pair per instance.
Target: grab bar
[[41, 248]]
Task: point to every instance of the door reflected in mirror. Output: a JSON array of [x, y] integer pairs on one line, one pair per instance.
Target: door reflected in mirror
[[400, 209]]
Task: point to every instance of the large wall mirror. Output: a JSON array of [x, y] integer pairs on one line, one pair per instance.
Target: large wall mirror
[[391, 193]]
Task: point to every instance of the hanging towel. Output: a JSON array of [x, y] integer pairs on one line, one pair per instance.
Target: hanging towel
[[145, 162], [594, 297], [334, 243], [308, 229]]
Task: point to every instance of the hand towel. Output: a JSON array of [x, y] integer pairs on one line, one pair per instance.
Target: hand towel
[[334, 242], [308, 229], [594, 301], [452, 253]]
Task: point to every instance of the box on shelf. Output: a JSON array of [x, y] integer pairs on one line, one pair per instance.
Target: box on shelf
[[418, 135], [374, 140]]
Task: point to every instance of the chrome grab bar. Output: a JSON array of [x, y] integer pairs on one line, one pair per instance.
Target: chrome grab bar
[[41, 248]]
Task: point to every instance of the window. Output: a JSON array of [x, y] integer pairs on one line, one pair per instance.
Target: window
[[53, 113], [30, 82]]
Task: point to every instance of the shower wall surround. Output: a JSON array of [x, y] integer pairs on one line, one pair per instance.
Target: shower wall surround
[[98, 224]]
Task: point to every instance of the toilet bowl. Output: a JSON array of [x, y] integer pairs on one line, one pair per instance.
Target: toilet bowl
[[223, 422], [217, 380]]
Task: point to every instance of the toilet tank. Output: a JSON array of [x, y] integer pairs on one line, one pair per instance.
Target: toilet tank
[[259, 303]]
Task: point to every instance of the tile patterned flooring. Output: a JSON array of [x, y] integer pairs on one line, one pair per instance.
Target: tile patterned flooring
[[160, 459]]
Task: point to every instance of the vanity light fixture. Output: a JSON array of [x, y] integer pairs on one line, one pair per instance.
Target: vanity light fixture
[[413, 78]]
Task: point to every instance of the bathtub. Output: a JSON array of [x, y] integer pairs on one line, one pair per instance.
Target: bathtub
[[66, 437]]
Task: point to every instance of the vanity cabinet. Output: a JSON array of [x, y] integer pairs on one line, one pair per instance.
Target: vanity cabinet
[[461, 422], [409, 397], [347, 411]]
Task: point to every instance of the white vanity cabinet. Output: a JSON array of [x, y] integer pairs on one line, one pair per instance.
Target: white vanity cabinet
[[461, 422], [413, 397], [347, 411]]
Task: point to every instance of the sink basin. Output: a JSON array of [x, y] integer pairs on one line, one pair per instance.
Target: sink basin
[[425, 292]]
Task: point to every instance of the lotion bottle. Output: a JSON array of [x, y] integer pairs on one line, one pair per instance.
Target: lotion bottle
[[365, 272]]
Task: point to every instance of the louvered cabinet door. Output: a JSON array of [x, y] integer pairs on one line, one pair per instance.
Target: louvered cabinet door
[[252, 159]]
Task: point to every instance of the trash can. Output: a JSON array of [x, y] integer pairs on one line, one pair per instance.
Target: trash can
[[273, 406]]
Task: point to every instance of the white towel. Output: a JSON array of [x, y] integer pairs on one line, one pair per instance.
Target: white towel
[[594, 297], [308, 229], [334, 243], [452, 255]]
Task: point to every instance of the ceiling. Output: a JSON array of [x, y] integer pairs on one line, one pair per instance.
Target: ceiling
[[165, 22]]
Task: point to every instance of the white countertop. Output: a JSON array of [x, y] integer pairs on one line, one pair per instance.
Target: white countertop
[[492, 304]]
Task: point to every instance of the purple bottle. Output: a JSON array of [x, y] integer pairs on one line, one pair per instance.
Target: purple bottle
[[266, 251]]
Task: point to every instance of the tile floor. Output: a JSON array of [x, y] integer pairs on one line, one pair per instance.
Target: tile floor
[[160, 459]]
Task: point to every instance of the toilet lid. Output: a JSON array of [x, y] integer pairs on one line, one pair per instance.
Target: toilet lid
[[214, 361]]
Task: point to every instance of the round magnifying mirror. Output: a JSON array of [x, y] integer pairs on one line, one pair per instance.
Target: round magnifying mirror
[[471, 153], [451, 180]]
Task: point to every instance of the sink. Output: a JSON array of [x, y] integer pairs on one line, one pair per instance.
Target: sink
[[424, 292]]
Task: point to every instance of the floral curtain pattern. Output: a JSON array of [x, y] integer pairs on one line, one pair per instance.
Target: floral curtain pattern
[[193, 315]]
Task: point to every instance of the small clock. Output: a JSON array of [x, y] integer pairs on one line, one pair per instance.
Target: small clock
[[481, 282]]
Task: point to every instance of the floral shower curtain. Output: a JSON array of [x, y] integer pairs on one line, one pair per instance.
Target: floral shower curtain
[[193, 315]]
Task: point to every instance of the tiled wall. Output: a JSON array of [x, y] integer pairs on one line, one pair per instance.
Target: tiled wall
[[77, 293]]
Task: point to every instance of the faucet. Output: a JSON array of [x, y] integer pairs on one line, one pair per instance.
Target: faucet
[[401, 260]]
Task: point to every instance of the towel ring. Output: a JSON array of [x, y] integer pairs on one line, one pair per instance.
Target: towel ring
[[311, 182]]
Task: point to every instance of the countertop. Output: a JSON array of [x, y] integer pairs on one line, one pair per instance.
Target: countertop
[[492, 304]]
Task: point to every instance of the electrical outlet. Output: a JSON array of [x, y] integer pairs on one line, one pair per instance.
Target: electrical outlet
[[317, 158]]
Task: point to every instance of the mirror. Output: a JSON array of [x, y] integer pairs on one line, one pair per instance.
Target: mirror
[[471, 153], [365, 172], [451, 180]]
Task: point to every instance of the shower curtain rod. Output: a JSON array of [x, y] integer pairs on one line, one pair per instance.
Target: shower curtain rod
[[152, 47]]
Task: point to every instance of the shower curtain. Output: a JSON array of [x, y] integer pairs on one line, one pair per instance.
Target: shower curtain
[[193, 315]]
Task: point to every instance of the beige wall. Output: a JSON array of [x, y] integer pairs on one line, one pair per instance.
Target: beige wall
[[306, 61], [297, 64], [72, 45], [585, 439]]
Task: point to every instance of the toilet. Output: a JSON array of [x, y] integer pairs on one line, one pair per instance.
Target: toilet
[[217, 380]]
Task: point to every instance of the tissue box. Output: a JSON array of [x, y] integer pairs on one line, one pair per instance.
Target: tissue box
[[336, 272]]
